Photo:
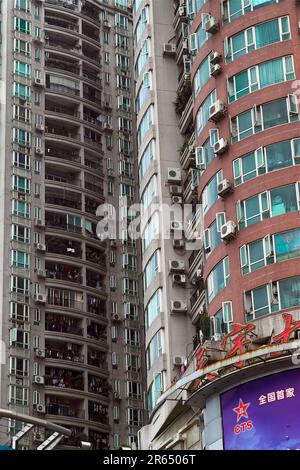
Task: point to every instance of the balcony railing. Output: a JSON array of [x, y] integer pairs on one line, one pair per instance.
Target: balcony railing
[[62, 89], [64, 410], [63, 325], [64, 382], [60, 201], [70, 355], [71, 276]]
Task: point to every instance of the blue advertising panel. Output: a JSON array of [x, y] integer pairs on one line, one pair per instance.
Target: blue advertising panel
[[263, 414]]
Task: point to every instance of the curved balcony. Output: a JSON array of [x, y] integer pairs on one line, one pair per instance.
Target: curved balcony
[[58, 351], [98, 385], [64, 379], [63, 324]]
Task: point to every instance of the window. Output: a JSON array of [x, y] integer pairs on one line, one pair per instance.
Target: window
[[132, 337], [130, 262], [22, 69], [202, 76], [22, 26], [199, 38], [265, 116], [21, 160], [22, 91], [233, 9], [154, 350], [20, 285], [146, 159], [20, 259], [203, 112], [151, 270], [149, 193], [272, 297], [144, 91], [21, 209], [132, 362], [135, 417], [210, 192], [19, 312], [18, 366], [151, 231], [270, 249], [134, 390], [142, 58], [256, 37], [141, 24], [212, 235], [17, 395], [155, 390], [221, 321], [20, 184], [145, 125], [153, 308], [22, 47], [268, 204], [18, 338], [218, 279], [261, 76]]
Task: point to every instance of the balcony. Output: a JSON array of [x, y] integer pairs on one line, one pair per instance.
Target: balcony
[[64, 379], [62, 198], [98, 440], [67, 111], [63, 89], [57, 152], [63, 324], [187, 157], [63, 247], [96, 306], [59, 222], [98, 412], [197, 304], [63, 352], [64, 408], [63, 272], [97, 359], [98, 385], [190, 186], [63, 22], [62, 131], [187, 116], [96, 331], [95, 280], [61, 3], [63, 298], [95, 256]]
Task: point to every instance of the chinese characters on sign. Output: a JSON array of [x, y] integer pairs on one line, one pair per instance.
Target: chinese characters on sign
[[274, 396]]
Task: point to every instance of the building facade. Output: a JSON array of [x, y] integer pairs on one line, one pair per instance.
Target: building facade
[[242, 153], [71, 318]]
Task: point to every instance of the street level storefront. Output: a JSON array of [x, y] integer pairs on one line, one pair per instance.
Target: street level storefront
[[263, 414]]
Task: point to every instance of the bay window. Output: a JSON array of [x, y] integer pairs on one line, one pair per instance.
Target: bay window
[[256, 37], [233, 9], [153, 308], [151, 270], [218, 278], [210, 192], [154, 350]]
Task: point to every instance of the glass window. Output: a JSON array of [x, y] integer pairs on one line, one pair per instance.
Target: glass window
[[153, 308], [151, 270], [154, 350], [218, 279]]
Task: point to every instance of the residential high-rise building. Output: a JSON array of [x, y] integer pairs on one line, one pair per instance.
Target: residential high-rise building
[[234, 66], [70, 303]]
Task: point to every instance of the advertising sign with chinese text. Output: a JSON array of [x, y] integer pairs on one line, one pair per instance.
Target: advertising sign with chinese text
[[263, 414]]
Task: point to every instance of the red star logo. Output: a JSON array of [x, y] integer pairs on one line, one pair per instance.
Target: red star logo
[[241, 410]]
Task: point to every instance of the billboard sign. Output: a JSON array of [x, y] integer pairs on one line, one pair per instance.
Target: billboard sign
[[263, 414]]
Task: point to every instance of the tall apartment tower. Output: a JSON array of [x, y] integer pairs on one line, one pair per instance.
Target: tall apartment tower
[[70, 315], [242, 153]]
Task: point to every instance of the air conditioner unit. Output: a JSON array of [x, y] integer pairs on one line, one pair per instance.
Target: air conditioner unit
[[40, 298], [228, 231], [178, 244], [38, 81], [39, 353], [176, 226], [215, 70], [217, 111], [178, 361], [117, 396], [107, 126], [38, 151], [215, 57], [212, 25], [116, 317], [40, 246], [174, 175], [39, 379], [38, 222], [178, 306], [40, 273], [177, 200], [107, 24], [224, 187], [39, 127], [179, 279], [175, 190], [220, 146], [41, 408], [176, 266], [169, 49]]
